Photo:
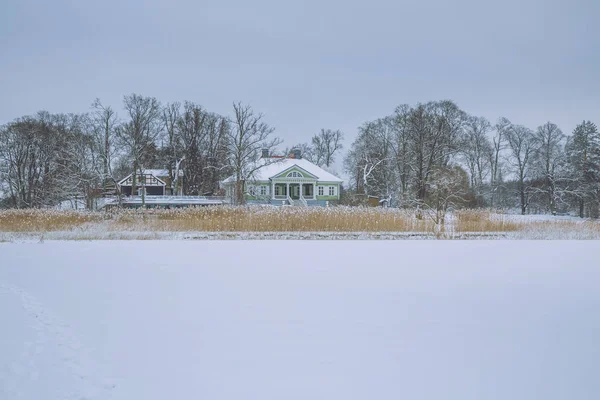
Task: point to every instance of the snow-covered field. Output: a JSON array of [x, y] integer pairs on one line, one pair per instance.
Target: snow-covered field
[[300, 320]]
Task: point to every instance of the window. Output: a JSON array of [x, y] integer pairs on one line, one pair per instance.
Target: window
[[277, 190], [294, 174], [332, 190], [320, 192], [263, 190], [251, 190]]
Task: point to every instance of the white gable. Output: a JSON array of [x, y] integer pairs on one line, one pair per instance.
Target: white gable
[[154, 181]]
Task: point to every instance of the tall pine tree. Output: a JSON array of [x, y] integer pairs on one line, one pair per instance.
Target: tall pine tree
[[583, 152]]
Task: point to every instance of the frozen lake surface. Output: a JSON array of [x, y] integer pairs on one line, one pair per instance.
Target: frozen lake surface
[[300, 320]]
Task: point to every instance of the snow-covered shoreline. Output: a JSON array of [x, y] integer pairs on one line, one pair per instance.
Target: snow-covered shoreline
[[74, 235], [28, 237]]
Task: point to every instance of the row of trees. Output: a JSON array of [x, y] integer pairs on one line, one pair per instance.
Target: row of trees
[[428, 156], [435, 155], [49, 158]]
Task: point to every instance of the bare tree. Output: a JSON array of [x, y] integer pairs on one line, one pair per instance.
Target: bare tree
[[400, 146], [249, 134], [369, 165], [398, 154], [196, 146], [369, 160], [435, 131], [16, 139], [325, 145], [447, 188], [215, 152], [307, 151], [139, 134], [476, 150], [172, 150], [104, 122], [45, 159], [192, 131], [522, 146], [498, 145], [81, 178], [548, 155]]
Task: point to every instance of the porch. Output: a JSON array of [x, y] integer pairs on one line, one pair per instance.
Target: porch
[[294, 190]]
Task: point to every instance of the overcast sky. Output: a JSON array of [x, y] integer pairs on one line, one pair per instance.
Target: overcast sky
[[306, 64]]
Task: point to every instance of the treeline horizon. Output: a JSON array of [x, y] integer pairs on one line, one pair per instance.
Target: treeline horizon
[[431, 156], [49, 158], [436, 156]]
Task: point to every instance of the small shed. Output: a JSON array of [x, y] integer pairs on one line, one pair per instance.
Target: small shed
[[373, 201]]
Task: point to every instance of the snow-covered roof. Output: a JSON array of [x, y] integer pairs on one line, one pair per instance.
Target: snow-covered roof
[[160, 172], [157, 173], [277, 166]]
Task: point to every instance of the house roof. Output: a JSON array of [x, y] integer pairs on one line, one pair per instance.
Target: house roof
[[277, 166], [160, 172], [292, 168], [157, 173], [122, 181]]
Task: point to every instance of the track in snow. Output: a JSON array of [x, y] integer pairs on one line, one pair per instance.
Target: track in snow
[[53, 355]]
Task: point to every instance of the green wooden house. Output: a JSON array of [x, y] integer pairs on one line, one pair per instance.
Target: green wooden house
[[289, 181]]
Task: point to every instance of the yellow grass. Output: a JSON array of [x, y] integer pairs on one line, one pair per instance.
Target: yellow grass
[[484, 221], [481, 221], [36, 220], [271, 219], [220, 219], [149, 223]]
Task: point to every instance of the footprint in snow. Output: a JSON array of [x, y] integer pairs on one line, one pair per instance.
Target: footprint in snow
[[56, 353]]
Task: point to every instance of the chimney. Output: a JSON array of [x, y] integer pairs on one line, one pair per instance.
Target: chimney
[[297, 153], [265, 153]]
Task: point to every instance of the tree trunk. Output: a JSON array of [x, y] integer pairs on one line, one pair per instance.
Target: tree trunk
[[239, 193], [421, 193], [106, 149], [143, 187], [133, 178]]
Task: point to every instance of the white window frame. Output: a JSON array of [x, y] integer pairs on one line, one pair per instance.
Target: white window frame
[[332, 190], [294, 174], [263, 190], [252, 191], [320, 190]]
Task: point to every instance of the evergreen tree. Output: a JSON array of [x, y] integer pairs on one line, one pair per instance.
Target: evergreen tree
[[583, 152]]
